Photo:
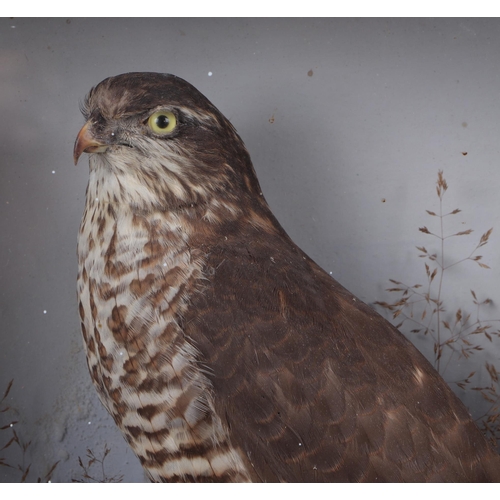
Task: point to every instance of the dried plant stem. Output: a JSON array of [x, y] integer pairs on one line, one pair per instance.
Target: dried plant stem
[[93, 460], [441, 276], [456, 337], [15, 440]]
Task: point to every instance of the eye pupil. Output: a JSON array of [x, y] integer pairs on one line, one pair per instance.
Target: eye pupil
[[162, 121]]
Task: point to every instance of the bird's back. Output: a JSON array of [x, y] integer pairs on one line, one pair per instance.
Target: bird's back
[[316, 386]]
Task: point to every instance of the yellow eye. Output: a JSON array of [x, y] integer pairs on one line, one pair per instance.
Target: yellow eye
[[162, 122]]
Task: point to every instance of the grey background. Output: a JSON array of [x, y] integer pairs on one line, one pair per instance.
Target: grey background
[[348, 122]]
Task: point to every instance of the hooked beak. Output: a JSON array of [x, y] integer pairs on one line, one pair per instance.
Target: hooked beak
[[87, 143]]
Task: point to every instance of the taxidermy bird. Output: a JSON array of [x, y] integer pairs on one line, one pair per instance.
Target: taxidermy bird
[[221, 350]]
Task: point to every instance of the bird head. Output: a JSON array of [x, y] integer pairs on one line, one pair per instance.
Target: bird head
[[161, 140]]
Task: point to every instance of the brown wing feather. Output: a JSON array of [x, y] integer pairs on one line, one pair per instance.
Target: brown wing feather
[[316, 386]]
